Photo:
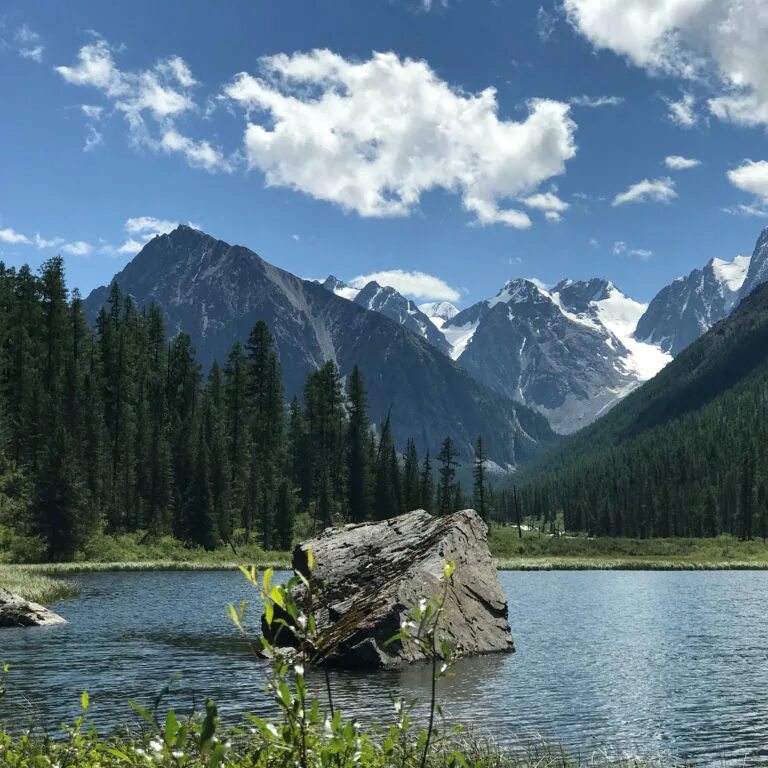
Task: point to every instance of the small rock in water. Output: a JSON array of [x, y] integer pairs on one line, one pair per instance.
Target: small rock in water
[[366, 578], [15, 611]]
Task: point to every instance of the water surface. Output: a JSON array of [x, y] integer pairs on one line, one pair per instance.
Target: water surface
[[672, 663]]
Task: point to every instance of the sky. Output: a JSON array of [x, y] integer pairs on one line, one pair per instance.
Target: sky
[[444, 146]]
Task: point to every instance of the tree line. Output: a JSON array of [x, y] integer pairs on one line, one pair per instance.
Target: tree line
[[116, 429]]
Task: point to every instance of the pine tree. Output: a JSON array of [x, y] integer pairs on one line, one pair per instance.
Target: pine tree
[[285, 518], [427, 486], [446, 493], [478, 472], [386, 503], [411, 478], [358, 451]]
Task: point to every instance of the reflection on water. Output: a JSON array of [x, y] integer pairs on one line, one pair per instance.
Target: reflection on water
[[672, 663]]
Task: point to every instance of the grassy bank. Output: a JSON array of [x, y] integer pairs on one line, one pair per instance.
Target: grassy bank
[[538, 551], [535, 551]]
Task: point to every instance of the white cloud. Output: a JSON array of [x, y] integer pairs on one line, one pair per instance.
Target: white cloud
[[658, 190], [748, 210], [200, 154], [594, 102], [717, 43], [140, 230], [620, 248], [295, 238], [547, 202], [373, 136], [162, 93], [594, 243], [545, 24], [683, 112], [149, 226], [12, 237], [417, 284], [77, 248], [680, 163], [41, 242], [751, 176], [28, 44]]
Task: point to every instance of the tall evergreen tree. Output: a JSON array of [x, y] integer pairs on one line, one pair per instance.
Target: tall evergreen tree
[[446, 492]]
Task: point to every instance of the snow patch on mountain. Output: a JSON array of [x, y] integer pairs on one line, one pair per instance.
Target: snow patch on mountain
[[459, 336], [732, 273], [620, 315]]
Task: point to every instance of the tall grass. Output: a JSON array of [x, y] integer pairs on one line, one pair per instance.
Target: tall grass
[[36, 586]]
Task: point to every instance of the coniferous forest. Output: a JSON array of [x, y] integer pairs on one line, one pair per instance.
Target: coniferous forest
[[116, 429]]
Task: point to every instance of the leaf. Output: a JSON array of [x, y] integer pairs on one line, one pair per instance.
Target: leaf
[[310, 559], [84, 701], [267, 580], [269, 613], [171, 727], [234, 616], [208, 731]]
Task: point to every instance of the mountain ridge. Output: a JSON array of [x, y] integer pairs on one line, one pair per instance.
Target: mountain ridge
[[216, 292]]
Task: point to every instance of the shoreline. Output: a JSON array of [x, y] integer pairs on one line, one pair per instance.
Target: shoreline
[[47, 583]]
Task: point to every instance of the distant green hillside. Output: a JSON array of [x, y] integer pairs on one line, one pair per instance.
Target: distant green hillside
[[684, 455]]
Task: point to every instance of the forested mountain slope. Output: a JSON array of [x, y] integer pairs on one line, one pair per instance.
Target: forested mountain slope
[[216, 292], [683, 455]]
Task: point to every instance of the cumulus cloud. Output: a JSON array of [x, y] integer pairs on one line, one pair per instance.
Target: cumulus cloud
[[373, 136], [657, 190], [751, 176], [717, 43], [419, 285], [680, 163], [594, 102], [160, 95], [12, 237]]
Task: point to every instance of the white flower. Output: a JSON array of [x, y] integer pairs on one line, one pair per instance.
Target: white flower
[[443, 668], [299, 669], [423, 604], [156, 745], [327, 727], [398, 706], [302, 621]]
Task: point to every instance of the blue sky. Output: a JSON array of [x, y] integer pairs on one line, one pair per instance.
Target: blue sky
[[460, 139]]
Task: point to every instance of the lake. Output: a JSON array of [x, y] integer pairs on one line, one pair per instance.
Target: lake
[[672, 663]]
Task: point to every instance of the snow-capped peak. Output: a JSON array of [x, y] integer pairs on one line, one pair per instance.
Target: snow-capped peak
[[439, 311], [340, 288]]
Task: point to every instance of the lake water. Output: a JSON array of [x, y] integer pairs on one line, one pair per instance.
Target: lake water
[[645, 662]]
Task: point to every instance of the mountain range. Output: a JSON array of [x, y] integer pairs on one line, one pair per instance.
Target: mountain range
[[215, 292], [568, 352]]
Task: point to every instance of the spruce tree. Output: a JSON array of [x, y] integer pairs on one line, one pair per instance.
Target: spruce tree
[[358, 450], [478, 473], [446, 492]]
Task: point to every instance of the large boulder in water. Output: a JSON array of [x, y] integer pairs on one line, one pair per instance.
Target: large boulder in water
[[15, 611], [367, 577]]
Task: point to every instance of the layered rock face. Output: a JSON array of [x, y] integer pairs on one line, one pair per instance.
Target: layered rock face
[[15, 611], [367, 577]]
